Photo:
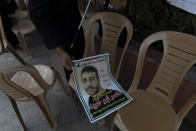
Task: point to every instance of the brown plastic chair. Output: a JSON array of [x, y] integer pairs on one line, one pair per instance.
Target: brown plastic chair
[[151, 109], [30, 83], [5, 45], [20, 28], [112, 26], [22, 24]]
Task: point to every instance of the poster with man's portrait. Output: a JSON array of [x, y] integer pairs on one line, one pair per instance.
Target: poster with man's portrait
[[97, 89]]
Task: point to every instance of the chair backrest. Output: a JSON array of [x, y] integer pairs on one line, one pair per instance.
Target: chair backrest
[[15, 91], [179, 55], [112, 26]]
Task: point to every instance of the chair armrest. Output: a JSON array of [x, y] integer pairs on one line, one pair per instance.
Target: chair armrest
[[186, 107], [29, 69]]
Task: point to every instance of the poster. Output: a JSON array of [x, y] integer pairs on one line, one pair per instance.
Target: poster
[[99, 93], [188, 5]]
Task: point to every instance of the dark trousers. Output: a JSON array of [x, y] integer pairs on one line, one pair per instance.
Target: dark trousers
[[7, 25], [77, 51]]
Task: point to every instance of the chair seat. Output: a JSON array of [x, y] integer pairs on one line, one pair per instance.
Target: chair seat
[[148, 112], [26, 81], [24, 26]]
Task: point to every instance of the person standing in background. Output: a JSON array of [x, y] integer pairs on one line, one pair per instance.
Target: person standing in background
[[57, 22]]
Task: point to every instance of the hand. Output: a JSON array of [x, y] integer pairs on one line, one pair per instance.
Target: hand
[[65, 58]]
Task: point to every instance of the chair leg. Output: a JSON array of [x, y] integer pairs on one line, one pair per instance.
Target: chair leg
[[14, 105], [74, 96], [42, 103], [23, 44], [119, 123], [112, 120], [61, 82]]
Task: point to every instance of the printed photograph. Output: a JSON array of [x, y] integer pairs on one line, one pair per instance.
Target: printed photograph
[[98, 91]]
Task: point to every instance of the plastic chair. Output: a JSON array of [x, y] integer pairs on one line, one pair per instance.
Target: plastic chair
[[5, 45], [20, 28], [30, 83], [22, 25], [112, 25], [151, 109]]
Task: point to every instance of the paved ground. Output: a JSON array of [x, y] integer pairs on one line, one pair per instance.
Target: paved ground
[[69, 116]]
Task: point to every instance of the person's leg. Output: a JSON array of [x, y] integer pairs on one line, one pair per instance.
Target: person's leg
[[77, 51], [7, 25], [78, 48]]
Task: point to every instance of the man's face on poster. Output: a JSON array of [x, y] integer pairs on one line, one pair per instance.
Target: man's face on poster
[[90, 82]]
